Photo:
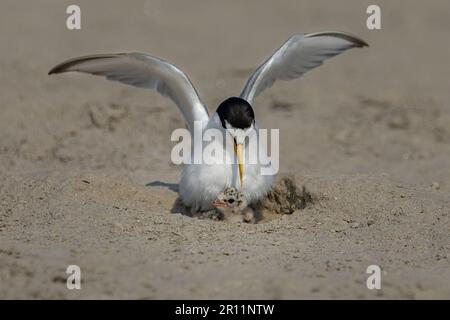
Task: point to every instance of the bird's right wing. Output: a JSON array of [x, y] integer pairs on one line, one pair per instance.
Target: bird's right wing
[[298, 55], [143, 71]]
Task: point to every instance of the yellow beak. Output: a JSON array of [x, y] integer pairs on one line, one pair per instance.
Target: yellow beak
[[238, 150]]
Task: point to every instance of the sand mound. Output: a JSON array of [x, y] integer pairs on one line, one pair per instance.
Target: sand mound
[[286, 196]]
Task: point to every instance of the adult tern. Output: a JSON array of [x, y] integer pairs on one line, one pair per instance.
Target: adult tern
[[201, 183]]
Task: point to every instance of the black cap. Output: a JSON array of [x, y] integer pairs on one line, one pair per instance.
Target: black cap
[[237, 112]]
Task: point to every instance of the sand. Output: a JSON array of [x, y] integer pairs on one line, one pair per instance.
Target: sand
[[87, 178]]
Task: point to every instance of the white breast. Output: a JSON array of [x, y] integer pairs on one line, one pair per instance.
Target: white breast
[[201, 183]]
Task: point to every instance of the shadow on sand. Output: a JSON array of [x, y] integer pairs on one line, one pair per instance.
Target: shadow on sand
[[171, 186]]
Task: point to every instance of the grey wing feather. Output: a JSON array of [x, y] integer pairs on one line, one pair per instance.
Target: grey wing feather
[[298, 55], [143, 71]]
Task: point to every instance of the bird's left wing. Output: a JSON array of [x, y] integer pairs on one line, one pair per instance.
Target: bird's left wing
[[301, 53], [143, 71]]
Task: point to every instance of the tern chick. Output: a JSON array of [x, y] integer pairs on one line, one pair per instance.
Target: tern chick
[[232, 206]]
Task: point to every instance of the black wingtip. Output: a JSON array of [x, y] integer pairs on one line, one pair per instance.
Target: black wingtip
[[56, 69], [362, 43], [357, 41], [69, 64], [59, 67]]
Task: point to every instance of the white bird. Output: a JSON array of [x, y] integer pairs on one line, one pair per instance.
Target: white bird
[[201, 183]]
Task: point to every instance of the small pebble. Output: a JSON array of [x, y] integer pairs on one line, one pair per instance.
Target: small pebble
[[435, 186], [355, 225]]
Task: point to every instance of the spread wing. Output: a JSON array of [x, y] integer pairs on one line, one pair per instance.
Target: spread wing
[[298, 55], [143, 71]]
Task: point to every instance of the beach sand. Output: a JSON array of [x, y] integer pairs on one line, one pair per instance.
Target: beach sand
[[87, 178]]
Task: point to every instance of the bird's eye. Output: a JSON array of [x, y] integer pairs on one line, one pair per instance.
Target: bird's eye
[[230, 200]]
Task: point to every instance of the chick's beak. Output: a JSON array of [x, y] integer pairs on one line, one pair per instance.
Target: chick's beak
[[219, 203], [238, 150]]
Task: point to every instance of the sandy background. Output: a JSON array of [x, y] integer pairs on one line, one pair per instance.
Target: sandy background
[[367, 135]]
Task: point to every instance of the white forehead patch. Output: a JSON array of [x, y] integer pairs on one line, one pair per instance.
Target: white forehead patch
[[238, 131], [239, 134]]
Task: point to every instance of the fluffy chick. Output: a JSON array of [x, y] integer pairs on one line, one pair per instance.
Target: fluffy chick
[[232, 206]]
